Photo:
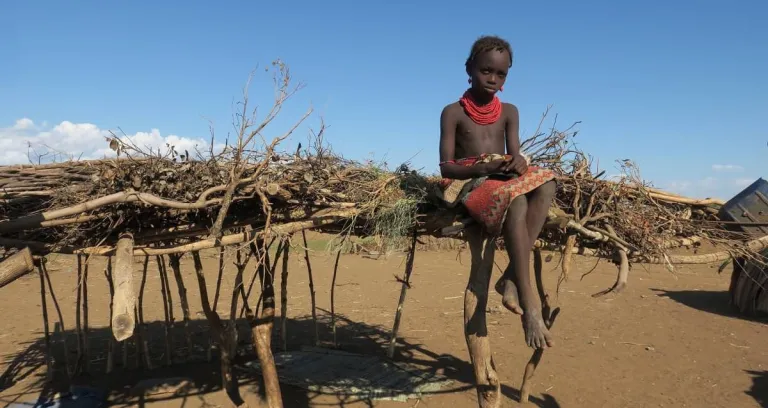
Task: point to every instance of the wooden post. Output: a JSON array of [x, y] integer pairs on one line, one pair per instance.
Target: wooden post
[[333, 294], [530, 367], [124, 301], [112, 344], [548, 315], [284, 295], [78, 316], [403, 290], [487, 381], [48, 351], [175, 261], [311, 288], [165, 291], [62, 332], [16, 266], [261, 328]]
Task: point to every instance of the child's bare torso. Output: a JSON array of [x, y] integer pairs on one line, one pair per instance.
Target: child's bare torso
[[472, 139]]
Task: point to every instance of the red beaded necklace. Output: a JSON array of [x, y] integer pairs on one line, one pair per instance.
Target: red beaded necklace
[[482, 115]]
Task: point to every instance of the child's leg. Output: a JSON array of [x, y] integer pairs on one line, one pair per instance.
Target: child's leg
[[537, 208], [539, 201], [515, 234], [525, 218], [514, 284]]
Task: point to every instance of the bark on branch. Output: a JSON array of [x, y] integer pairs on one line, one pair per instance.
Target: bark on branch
[[16, 266], [124, 301]]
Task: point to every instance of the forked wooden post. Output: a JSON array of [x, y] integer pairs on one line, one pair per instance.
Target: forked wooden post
[[406, 284], [549, 316], [261, 329], [533, 363], [124, 301]]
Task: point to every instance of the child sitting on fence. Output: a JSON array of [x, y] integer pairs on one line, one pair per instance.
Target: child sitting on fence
[[484, 171]]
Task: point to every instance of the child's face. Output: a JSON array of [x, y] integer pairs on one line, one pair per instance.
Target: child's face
[[489, 71]]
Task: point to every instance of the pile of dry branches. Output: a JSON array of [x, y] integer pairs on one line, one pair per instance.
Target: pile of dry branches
[[171, 202], [67, 207]]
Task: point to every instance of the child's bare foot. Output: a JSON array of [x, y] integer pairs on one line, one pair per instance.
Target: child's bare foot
[[508, 291], [536, 333]]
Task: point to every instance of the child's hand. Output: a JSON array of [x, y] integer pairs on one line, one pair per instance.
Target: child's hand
[[517, 164], [499, 166]]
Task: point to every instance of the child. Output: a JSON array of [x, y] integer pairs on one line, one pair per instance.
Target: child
[[500, 191]]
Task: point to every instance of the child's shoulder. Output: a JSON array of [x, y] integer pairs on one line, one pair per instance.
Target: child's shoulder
[[510, 110], [510, 107], [452, 110], [452, 107]]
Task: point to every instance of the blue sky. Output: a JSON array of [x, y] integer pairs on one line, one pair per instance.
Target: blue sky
[[678, 86]]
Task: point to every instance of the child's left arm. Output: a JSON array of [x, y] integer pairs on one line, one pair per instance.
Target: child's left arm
[[519, 162]]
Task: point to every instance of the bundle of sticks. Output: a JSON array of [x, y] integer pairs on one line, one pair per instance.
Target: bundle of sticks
[[172, 202]]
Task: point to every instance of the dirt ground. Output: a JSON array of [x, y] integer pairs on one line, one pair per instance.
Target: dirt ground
[[667, 341]]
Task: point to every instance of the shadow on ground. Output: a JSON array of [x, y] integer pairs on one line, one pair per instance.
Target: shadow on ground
[[24, 382], [759, 390], [710, 301]]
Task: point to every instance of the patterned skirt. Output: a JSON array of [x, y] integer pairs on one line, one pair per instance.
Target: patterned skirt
[[487, 199]]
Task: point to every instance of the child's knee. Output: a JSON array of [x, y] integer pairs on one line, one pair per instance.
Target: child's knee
[[517, 208], [548, 188]]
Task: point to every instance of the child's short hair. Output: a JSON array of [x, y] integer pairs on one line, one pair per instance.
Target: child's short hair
[[487, 43]]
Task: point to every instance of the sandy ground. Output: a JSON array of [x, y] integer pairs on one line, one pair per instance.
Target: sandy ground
[[667, 341]]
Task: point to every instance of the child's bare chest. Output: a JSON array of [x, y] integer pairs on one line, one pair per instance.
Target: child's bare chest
[[476, 139]]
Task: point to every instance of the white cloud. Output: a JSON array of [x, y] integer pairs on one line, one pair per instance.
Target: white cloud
[[743, 182], [723, 188], [25, 140], [727, 167], [24, 123]]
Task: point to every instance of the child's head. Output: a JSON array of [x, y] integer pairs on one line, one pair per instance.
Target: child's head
[[488, 63]]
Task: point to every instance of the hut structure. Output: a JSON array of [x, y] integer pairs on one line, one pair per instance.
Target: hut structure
[[152, 208]]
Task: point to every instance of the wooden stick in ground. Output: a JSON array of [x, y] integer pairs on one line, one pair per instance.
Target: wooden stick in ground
[[175, 262], [142, 343], [63, 332], [167, 305], [219, 280], [124, 301], [225, 337], [284, 294], [311, 288], [403, 290], [538, 273], [48, 351], [78, 316], [530, 368], [238, 290], [487, 382], [333, 294], [547, 315], [112, 344], [261, 328], [16, 266], [262, 255], [86, 342]]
